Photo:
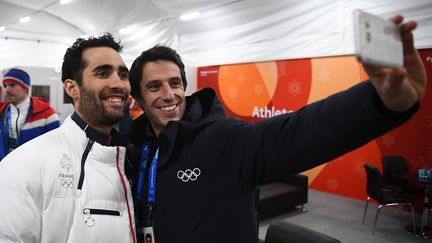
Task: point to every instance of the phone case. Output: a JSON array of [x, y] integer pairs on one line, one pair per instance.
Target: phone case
[[377, 41]]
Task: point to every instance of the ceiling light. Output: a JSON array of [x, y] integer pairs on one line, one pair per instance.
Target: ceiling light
[[2, 28], [190, 16], [24, 19], [65, 1]]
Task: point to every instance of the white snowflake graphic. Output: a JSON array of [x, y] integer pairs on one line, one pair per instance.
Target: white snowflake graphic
[[388, 139], [258, 89], [357, 166], [232, 92], [294, 88], [324, 75], [281, 69], [332, 184]]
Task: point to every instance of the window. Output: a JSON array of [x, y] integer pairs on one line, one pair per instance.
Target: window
[[41, 91]]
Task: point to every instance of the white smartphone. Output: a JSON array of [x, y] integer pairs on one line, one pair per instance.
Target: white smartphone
[[377, 41]]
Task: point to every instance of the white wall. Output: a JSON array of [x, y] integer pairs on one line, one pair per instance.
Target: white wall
[[191, 78]]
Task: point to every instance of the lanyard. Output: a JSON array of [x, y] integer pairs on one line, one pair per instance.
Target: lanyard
[[145, 152], [8, 120], [152, 178]]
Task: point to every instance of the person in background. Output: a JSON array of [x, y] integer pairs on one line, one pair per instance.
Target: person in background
[[69, 184], [198, 168], [23, 117]]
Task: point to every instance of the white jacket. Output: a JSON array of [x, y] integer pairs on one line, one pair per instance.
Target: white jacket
[[39, 196]]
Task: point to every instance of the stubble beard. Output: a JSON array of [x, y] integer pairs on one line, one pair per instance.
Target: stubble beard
[[93, 109]]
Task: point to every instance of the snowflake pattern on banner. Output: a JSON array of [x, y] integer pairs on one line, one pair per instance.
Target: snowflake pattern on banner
[[357, 166], [324, 75], [258, 89], [294, 88], [332, 184], [282, 71], [388, 139], [232, 92]]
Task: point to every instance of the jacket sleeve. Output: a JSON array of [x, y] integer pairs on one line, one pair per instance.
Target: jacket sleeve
[[52, 120], [21, 199], [317, 133]]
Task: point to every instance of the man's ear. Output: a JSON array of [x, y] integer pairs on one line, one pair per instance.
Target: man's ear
[[72, 89]]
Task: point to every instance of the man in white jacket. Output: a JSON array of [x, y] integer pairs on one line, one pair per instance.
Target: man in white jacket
[[69, 185]]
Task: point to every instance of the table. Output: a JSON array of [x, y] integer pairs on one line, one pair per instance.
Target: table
[[423, 231]]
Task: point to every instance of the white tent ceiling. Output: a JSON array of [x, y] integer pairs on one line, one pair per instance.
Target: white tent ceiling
[[228, 31]]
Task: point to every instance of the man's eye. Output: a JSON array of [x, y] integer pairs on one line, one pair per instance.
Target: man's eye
[[176, 84], [103, 74], [153, 88], [124, 75]]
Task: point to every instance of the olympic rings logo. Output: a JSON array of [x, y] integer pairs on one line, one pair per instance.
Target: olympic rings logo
[[189, 174], [66, 183]]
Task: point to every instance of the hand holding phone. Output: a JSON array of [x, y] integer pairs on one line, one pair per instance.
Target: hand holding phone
[[377, 41]]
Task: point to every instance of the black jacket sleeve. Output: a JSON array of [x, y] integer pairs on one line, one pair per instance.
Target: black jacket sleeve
[[317, 133]]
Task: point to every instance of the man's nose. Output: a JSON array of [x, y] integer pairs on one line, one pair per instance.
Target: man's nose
[[167, 92], [116, 81]]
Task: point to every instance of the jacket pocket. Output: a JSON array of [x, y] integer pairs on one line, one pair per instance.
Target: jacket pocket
[[89, 220]]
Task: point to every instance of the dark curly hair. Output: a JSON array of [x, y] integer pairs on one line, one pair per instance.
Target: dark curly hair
[[73, 65], [158, 52]]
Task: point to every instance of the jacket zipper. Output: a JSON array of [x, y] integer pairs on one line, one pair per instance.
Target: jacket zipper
[[16, 124], [83, 160], [126, 197]]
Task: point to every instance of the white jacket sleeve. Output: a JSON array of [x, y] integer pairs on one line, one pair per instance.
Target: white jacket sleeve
[[21, 199]]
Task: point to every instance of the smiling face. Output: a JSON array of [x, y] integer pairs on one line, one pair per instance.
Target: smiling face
[[163, 93], [102, 97]]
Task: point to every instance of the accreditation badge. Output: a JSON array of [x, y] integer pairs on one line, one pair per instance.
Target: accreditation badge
[[146, 234]]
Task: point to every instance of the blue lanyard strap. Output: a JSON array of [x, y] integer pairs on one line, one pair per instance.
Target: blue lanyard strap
[[145, 152], [152, 178]]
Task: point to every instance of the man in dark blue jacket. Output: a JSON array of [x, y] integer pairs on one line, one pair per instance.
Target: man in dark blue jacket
[[197, 168]]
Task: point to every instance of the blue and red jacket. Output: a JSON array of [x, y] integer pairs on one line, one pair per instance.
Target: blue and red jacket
[[41, 118]]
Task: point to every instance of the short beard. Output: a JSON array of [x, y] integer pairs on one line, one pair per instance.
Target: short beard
[[93, 110]]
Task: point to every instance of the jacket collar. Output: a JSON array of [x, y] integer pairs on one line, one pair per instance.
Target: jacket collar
[[202, 109], [113, 139]]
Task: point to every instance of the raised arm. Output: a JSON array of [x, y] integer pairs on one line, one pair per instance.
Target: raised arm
[[401, 88]]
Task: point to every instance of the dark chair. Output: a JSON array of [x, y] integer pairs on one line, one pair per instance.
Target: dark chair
[[385, 197], [286, 232], [275, 198], [393, 168]]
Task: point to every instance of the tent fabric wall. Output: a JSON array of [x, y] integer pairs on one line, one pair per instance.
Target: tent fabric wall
[[228, 31]]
